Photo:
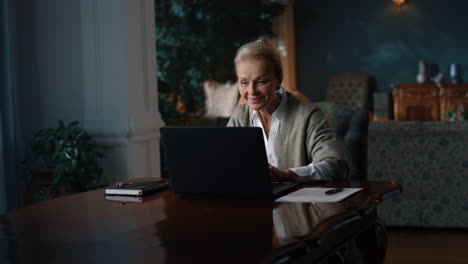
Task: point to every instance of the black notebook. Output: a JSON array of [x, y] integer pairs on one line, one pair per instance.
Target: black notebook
[[136, 188]]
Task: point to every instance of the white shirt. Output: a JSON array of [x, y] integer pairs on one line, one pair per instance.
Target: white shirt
[[322, 170]]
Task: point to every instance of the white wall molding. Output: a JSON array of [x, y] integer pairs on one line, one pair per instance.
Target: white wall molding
[[121, 100], [144, 49]]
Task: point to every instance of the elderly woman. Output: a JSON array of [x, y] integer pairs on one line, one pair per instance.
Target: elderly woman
[[299, 144]]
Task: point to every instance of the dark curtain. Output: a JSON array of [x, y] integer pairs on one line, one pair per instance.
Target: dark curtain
[[10, 183]]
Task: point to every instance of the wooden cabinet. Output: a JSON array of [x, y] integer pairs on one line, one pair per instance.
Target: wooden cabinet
[[427, 102], [416, 102]]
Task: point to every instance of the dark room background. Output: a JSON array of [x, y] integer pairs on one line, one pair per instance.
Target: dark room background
[[376, 38]]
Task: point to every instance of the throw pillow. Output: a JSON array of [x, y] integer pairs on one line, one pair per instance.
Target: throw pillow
[[220, 98]]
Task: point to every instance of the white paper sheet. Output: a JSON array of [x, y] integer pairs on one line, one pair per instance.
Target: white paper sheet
[[316, 194]]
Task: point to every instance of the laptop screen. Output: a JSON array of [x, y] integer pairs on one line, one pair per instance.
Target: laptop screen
[[222, 161]]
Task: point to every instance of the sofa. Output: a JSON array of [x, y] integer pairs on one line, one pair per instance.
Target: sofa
[[430, 161]]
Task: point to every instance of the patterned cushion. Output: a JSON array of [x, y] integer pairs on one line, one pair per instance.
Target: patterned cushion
[[220, 98], [349, 90]]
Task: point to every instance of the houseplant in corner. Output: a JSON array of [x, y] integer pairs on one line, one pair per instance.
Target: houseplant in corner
[[71, 153], [460, 112]]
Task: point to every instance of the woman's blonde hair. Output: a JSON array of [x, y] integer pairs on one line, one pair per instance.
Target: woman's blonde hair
[[260, 49]]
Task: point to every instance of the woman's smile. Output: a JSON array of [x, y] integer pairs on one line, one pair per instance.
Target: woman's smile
[[254, 100]]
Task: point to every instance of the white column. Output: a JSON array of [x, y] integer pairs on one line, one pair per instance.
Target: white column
[[120, 88]]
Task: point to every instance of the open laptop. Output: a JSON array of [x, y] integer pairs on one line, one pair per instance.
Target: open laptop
[[219, 161]]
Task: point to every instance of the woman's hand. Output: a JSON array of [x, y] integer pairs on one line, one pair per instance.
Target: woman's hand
[[278, 175]]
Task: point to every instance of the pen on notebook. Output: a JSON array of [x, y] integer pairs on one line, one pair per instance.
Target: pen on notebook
[[333, 191]]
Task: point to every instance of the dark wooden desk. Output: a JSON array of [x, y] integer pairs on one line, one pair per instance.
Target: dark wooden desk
[[168, 228]]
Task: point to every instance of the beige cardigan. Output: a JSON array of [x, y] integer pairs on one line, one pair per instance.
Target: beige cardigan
[[304, 136]]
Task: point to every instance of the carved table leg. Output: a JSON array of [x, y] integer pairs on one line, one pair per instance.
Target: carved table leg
[[372, 243]]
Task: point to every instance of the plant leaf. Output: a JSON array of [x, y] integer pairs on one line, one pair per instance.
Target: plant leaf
[[67, 155]]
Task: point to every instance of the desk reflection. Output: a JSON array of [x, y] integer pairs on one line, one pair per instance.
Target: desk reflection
[[168, 228], [293, 221], [201, 230]]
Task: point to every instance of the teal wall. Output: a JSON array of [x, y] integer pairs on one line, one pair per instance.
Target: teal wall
[[374, 37]]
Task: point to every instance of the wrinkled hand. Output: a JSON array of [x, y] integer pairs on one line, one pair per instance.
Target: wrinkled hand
[[278, 175]]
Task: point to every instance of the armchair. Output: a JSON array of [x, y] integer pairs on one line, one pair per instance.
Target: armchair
[[349, 90], [350, 127], [351, 130]]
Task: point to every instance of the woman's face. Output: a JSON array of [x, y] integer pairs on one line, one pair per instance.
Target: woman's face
[[257, 83]]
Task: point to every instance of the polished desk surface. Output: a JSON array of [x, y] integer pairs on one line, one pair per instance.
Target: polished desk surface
[[170, 228]]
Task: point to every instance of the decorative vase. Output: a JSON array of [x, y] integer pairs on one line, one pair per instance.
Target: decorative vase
[[421, 77], [454, 73]]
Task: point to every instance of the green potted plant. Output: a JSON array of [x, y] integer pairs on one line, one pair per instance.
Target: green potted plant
[[197, 41], [70, 154], [460, 112]]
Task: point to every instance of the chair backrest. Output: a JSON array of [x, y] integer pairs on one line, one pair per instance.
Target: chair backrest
[[350, 90], [350, 127]]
